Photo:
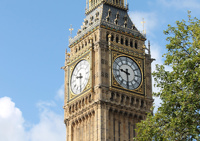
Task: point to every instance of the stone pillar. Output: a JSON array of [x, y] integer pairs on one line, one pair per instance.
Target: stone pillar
[[106, 119], [96, 124], [125, 128], [69, 132], [92, 127], [110, 132], [100, 68], [116, 127], [86, 128]]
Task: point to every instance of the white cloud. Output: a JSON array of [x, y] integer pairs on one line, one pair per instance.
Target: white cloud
[[11, 121], [150, 19], [191, 4], [12, 128], [51, 126]]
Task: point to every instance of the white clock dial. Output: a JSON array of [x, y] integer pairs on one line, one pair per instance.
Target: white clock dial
[[80, 77], [127, 73]]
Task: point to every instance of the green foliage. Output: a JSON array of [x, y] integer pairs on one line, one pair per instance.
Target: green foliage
[[178, 118]]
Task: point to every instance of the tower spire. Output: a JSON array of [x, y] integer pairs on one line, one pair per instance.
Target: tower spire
[[71, 29], [143, 23]]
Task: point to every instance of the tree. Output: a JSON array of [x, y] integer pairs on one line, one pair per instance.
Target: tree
[[178, 118]]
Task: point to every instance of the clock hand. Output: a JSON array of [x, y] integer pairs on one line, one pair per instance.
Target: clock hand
[[127, 74], [80, 80], [122, 70]]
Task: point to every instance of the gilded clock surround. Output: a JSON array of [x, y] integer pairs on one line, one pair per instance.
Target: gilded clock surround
[[139, 62], [88, 87]]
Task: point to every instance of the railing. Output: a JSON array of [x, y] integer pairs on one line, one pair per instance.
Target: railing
[[91, 4]]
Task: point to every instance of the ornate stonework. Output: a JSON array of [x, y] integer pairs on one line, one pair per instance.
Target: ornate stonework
[[104, 110]]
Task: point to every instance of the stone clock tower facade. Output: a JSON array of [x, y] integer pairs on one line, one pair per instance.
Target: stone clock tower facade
[[108, 86]]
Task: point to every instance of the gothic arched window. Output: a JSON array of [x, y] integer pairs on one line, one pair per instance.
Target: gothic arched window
[[131, 43], [122, 40], [136, 44], [117, 39], [126, 42], [107, 37], [112, 38]]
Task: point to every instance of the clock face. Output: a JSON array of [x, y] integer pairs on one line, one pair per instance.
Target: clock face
[[127, 73], [80, 77]]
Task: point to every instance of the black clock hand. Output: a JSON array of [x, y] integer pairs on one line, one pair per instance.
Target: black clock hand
[[80, 80], [122, 70], [127, 74]]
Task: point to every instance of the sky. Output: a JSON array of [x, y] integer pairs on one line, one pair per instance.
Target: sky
[[33, 38]]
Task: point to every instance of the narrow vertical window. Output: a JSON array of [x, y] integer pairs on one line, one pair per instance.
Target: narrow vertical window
[[131, 43], [126, 42], [117, 2], [112, 38], [117, 39], [122, 41], [136, 44], [95, 38], [107, 37]]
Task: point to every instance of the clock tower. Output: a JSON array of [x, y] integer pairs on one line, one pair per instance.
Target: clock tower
[[108, 86]]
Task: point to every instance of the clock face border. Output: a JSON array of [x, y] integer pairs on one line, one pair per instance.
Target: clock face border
[[139, 62], [72, 66], [74, 87], [127, 72]]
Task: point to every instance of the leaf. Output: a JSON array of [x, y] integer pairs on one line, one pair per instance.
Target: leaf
[[178, 118]]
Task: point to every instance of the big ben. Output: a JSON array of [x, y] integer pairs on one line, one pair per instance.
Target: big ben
[[108, 86]]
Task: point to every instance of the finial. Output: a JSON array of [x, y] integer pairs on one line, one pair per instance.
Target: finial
[[143, 22], [86, 4], [71, 29], [149, 47]]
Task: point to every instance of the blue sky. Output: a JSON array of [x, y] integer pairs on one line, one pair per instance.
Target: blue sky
[[33, 37]]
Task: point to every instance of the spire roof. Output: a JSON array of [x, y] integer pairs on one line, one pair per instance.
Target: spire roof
[[110, 16]]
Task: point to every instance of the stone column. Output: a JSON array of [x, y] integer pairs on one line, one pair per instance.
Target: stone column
[[111, 131], [106, 123], [96, 124], [101, 128], [69, 132], [86, 129], [92, 122], [126, 128], [116, 127]]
